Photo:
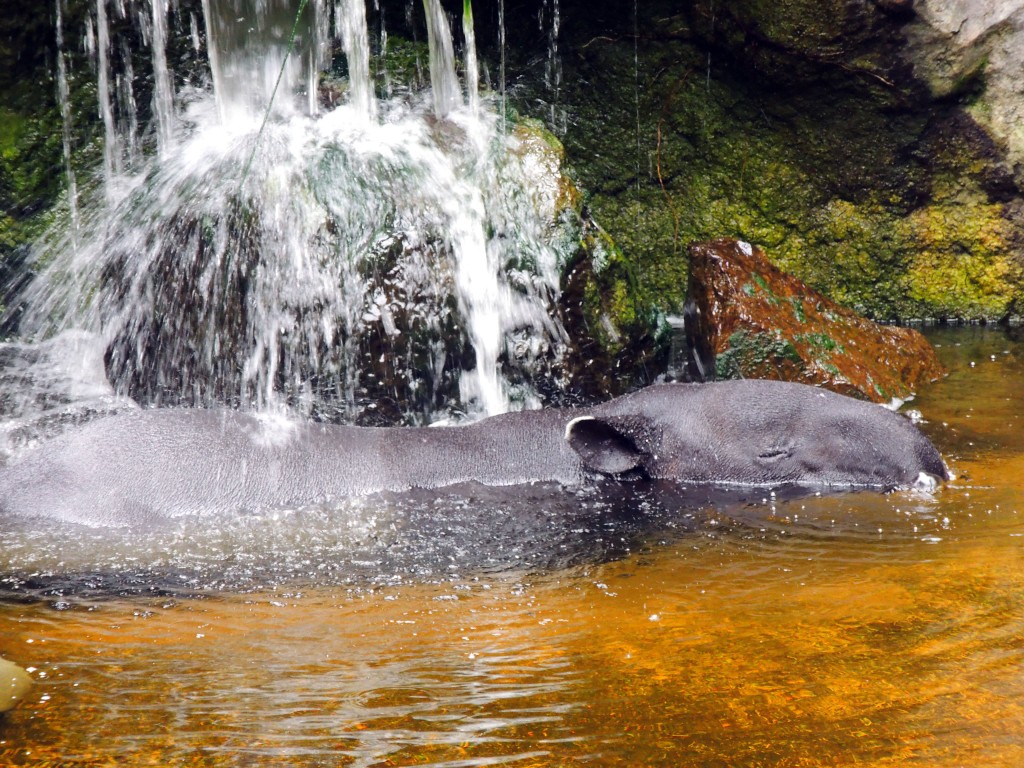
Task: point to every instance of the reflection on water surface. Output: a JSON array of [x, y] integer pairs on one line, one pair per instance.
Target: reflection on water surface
[[858, 629]]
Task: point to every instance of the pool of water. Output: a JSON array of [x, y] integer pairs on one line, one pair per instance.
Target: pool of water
[[609, 627]]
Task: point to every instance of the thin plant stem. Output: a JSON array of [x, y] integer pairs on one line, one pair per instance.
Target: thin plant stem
[[273, 94]]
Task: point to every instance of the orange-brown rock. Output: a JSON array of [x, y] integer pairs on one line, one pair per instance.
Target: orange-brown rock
[[745, 318]]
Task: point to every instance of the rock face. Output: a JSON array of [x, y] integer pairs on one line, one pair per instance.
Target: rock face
[[962, 46], [747, 319], [857, 141]]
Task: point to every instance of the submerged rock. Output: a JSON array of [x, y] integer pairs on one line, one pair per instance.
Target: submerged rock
[[14, 684], [745, 318]]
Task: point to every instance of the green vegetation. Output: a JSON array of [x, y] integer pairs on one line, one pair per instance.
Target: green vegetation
[[749, 351], [892, 206]]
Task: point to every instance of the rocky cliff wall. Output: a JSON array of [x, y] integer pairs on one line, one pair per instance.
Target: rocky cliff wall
[[872, 147]]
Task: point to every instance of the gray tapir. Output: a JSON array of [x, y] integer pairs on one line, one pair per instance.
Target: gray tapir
[[158, 463]]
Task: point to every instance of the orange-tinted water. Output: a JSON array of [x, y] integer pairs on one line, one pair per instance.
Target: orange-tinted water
[[851, 630]]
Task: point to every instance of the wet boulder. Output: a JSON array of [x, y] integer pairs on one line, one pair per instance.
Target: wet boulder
[[745, 318], [14, 684]]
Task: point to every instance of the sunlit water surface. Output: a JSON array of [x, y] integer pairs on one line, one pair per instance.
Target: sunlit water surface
[[636, 627]]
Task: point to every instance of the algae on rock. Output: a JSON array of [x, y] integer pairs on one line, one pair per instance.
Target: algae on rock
[[795, 126]]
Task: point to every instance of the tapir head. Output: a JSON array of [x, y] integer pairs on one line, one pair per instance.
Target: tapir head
[[756, 433]]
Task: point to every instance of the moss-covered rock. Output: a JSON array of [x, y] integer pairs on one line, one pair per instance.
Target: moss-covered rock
[[795, 126], [617, 336], [747, 319], [963, 263], [971, 51], [30, 183], [33, 180]]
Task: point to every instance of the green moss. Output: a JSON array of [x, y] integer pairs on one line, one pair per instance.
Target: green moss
[[879, 202], [812, 26], [32, 167], [30, 160], [403, 64], [831, 369], [536, 128], [770, 296], [964, 262], [798, 309], [820, 343], [614, 300], [10, 128], [747, 351]]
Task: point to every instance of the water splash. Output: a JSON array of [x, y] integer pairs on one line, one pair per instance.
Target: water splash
[[47, 386], [398, 255]]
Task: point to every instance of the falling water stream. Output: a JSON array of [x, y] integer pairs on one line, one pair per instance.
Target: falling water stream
[[65, 113], [278, 252]]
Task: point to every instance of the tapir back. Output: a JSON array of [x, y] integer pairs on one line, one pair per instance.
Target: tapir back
[[152, 464], [124, 468]]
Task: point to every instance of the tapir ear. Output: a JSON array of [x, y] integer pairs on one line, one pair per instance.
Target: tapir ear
[[604, 445]]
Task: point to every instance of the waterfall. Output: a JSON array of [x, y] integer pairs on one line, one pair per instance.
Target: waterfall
[[553, 73], [355, 38], [250, 55], [385, 259], [213, 59], [501, 54]]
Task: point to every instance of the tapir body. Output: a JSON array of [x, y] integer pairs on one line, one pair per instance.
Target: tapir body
[[159, 463]]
